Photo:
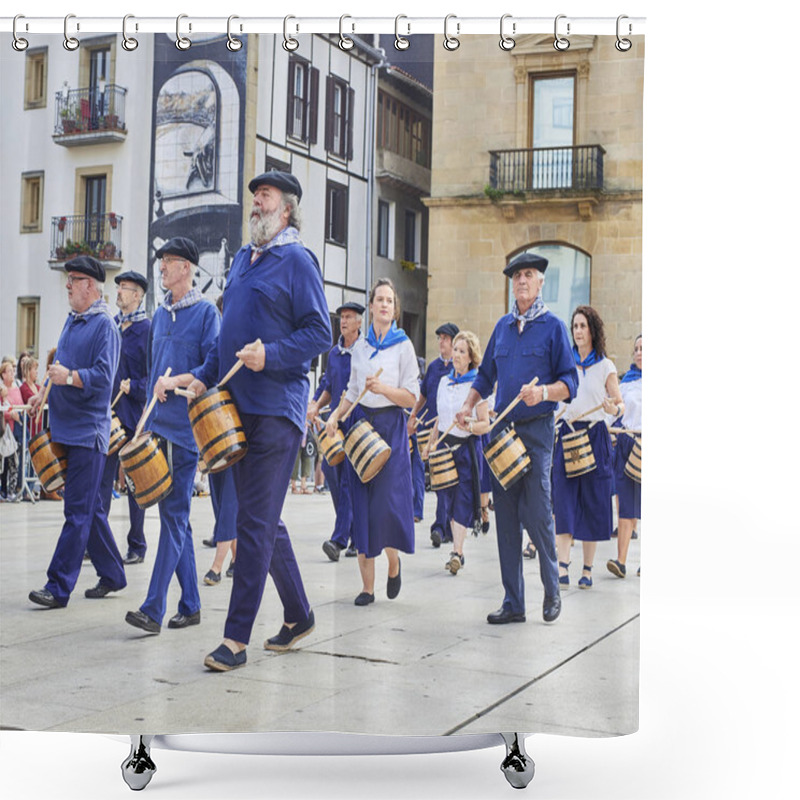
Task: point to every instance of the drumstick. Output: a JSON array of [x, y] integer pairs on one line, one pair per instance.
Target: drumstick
[[185, 392], [419, 419], [48, 385], [625, 430], [236, 367], [119, 394], [512, 404], [586, 413], [455, 422], [146, 412], [359, 398]]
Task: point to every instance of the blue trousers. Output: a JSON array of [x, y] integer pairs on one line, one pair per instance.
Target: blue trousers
[[85, 528], [263, 544], [339, 485], [528, 504], [136, 541], [223, 501], [444, 512], [417, 479], [175, 554]]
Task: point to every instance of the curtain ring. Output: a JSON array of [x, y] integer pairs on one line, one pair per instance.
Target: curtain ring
[[451, 42], [345, 42], [400, 42], [233, 44], [560, 43], [70, 42], [290, 44], [623, 45], [507, 42], [128, 42], [18, 43], [181, 42]]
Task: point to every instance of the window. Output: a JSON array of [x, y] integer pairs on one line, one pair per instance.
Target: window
[[339, 103], [32, 193], [384, 219], [552, 127], [27, 325], [410, 240], [302, 101], [36, 78], [403, 130], [336, 213]]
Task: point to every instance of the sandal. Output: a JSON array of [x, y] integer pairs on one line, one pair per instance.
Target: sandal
[[564, 579], [585, 582], [529, 551]]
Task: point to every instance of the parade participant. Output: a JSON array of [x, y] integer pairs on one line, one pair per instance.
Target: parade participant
[[438, 368], [223, 502], [461, 503], [131, 380], [182, 335], [417, 467], [332, 385], [582, 504], [528, 343], [274, 293], [629, 492], [81, 379], [383, 514]]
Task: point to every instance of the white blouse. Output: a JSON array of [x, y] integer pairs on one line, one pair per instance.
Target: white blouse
[[400, 369], [449, 400], [632, 397], [591, 391]]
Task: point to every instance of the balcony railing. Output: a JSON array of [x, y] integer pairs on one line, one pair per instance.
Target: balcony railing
[[97, 235], [86, 116], [547, 168]]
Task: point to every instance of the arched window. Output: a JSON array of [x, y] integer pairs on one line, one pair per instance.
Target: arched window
[[567, 281]]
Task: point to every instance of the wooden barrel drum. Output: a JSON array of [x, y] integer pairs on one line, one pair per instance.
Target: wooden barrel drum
[[332, 448], [145, 465], [442, 468], [423, 437], [578, 455], [217, 429], [507, 457], [366, 450], [117, 437], [633, 466], [49, 460]]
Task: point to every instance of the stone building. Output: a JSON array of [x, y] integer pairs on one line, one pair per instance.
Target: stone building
[[537, 150]]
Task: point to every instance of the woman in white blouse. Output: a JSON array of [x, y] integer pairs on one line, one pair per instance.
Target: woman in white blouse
[[383, 514]]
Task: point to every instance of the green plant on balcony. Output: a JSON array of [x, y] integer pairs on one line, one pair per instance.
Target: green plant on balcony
[[408, 265], [77, 248], [107, 251]]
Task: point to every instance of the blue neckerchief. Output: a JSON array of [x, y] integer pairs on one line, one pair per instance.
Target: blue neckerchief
[[135, 316], [289, 235], [98, 307], [467, 377], [393, 336], [633, 374], [592, 358], [343, 349], [536, 310]]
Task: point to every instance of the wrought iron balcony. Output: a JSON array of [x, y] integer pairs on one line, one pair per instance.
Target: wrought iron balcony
[[90, 116], [97, 235], [547, 168]]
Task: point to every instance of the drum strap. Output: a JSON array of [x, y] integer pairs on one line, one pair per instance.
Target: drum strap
[[476, 479]]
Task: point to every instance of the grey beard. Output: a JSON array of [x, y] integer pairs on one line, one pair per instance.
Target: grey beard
[[264, 227]]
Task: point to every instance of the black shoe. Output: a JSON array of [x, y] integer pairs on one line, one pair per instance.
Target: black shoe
[[229, 571], [209, 543], [351, 551], [43, 597], [101, 590], [224, 659], [140, 620], [393, 584], [331, 549], [288, 636], [184, 621], [364, 599], [436, 537], [551, 608], [503, 616], [212, 578], [132, 558]]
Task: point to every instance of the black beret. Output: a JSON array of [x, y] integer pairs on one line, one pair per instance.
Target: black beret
[[448, 329], [284, 181], [133, 277], [357, 307], [525, 261], [179, 246], [87, 265]]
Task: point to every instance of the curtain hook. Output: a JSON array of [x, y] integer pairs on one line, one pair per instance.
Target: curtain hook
[[233, 44], [290, 44], [451, 42], [128, 42], [623, 45], [400, 42], [345, 42], [70, 42], [560, 43], [182, 42], [507, 42], [18, 43]]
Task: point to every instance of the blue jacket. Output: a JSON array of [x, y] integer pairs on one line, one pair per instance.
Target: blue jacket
[[336, 377], [133, 365], [82, 417], [512, 359], [185, 344], [429, 386], [279, 299]]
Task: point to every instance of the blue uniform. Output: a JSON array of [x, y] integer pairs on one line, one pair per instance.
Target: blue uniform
[[512, 359], [80, 419]]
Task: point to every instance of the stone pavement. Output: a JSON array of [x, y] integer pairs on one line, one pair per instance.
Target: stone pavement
[[426, 663]]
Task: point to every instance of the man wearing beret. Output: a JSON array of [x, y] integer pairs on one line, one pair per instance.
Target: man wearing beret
[[331, 386], [274, 293], [528, 343], [81, 379], [182, 337], [438, 368]]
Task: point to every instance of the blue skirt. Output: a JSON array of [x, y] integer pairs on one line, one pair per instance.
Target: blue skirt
[[582, 505], [463, 500], [629, 492], [383, 512]]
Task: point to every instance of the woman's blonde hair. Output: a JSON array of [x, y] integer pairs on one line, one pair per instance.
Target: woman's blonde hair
[[30, 364], [473, 346]]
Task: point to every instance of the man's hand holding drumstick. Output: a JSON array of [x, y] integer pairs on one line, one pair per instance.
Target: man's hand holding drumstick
[[250, 356]]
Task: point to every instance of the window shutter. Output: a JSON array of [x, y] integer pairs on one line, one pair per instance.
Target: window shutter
[[329, 113], [350, 109], [313, 104], [290, 101]]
